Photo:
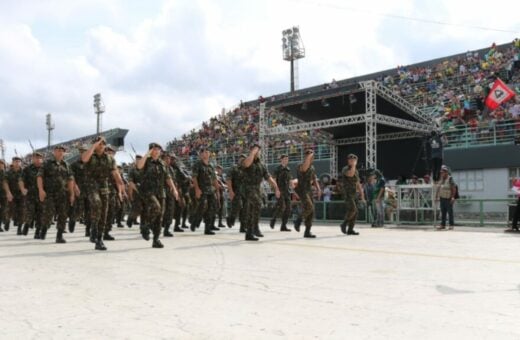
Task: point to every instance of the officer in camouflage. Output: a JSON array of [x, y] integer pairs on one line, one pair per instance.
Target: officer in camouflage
[[206, 193], [283, 178], [136, 199], [16, 186], [56, 191], [221, 190], [350, 184], [169, 201], [34, 208], [306, 180], [254, 172], [234, 183], [5, 197], [183, 205], [99, 168], [80, 208], [114, 200]]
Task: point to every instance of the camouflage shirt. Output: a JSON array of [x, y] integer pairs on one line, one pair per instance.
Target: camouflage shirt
[[205, 175], [349, 185], [154, 176], [2, 179], [78, 170], [182, 178], [13, 177], [254, 175], [305, 180], [134, 176], [283, 178], [55, 175], [97, 172], [30, 174], [235, 175]]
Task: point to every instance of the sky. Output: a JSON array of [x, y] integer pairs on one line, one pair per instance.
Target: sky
[[165, 66]]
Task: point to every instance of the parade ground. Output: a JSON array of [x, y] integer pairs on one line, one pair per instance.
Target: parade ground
[[390, 283]]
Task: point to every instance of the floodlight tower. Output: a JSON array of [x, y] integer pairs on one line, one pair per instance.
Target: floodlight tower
[[293, 49], [100, 108], [2, 148], [50, 127]]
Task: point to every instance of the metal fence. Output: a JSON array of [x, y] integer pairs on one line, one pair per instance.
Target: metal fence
[[491, 133]]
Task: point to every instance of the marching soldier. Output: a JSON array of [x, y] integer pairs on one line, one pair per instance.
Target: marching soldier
[[136, 200], [254, 171], [350, 184], [16, 186], [169, 201], [34, 208], [120, 212], [56, 191], [234, 184], [5, 197], [221, 189], [283, 179], [183, 205], [114, 201], [99, 168], [154, 181], [306, 180], [206, 193], [80, 209]]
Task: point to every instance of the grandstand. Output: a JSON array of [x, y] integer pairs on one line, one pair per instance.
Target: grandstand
[[115, 137]]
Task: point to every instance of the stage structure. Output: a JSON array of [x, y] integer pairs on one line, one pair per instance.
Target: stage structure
[[359, 113]]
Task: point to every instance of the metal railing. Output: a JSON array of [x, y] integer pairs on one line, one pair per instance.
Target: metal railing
[[498, 133]]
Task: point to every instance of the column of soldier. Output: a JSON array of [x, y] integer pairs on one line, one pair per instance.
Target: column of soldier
[[158, 191]]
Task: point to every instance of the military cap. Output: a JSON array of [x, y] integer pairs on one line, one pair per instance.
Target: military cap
[[37, 154], [219, 167], [203, 148], [154, 145], [309, 151], [110, 148], [352, 156], [60, 146], [255, 145], [82, 148], [99, 138], [138, 156], [16, 158], [283, 156]]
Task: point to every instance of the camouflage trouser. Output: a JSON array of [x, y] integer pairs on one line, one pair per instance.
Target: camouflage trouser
[[351, 210], [80, 209], [154, 207], [220, 209], [34, 211], [17, 210], [169, 211], [252, 205], [55, 204], [182, 208], [4, 217], [98, 210], [237, 208], [137, 208], [283, 208], [114, 204], [206, 210], [194, 207], [307, 210]]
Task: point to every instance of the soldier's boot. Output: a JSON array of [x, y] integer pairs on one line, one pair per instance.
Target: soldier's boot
[[250, 234], [284, 228], [167, 232], [7, 225], [59, 237], [37, 233], [307, 233], [156, 242], [177, 227], [272, 222], [343, 227], [99, 243], [297, 224], [25, 230], [107, 236], [230, 221], [351, 230], [93, 233], [87, 230], [129, 222], [242, 228], [19, 230], [145, 232], [208, 229], [257, 232], [43, 232], [212, 224], [184, 217], [220, 224], [72, 225]]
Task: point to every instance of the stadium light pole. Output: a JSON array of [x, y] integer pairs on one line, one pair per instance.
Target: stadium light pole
[[50, 127], [100, 108], [2, 148], [292, 49]]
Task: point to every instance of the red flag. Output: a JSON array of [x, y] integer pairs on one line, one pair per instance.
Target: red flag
[[499, 94]]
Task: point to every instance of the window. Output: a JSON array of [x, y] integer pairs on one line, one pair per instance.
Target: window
[[469, 180]]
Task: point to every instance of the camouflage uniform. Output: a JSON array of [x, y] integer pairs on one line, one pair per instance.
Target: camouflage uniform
[[236, 175], [182, 206], [134, 176], [283, 179], [153, 188], [169, 204], [17, 206], [80, 209], [3, 203], [55, 175], [207, 203], [304, 191], [98, 171], [349, 186], [34, 208], [114, 204], [252, 195]]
